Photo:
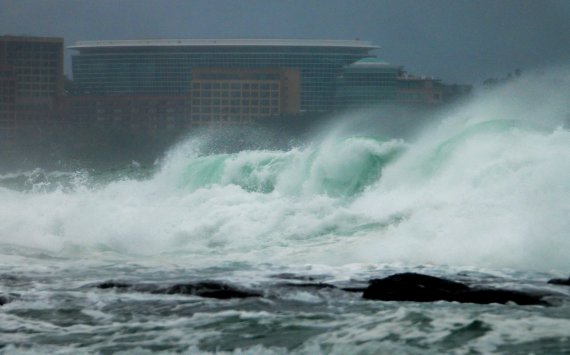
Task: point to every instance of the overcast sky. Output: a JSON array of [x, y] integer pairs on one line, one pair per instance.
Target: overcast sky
[[464, 41]]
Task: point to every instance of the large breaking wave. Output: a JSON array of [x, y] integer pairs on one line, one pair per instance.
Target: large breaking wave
[[487, 184]]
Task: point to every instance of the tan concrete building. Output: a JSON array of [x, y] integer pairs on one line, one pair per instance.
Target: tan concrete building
[[241, 95]]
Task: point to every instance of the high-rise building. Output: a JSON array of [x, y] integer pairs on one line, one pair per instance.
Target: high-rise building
[[166, 67], [31, 80]]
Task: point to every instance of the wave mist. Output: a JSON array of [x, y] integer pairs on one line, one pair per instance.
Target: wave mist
[[487, 184]]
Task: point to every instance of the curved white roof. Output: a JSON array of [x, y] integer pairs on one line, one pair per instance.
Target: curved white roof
[[372, 63], [224, 43]]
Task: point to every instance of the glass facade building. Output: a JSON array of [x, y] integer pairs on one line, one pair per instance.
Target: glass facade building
[[164, 67]]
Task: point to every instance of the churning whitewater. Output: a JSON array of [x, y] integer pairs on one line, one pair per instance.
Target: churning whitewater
[[488, 185], [480, 194]]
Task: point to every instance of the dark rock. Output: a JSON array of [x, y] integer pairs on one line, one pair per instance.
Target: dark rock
[[112, 284], [315, 285], [354, 289], [320, 286], [423, 288], [412, 287], [290, 276], [564, 282], [208, 289], [7, 298], [487, 296]]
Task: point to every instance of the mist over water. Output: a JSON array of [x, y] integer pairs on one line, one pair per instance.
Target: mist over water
[[485, 184]]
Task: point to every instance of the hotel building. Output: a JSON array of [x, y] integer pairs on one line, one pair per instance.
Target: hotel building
[[300, 74]]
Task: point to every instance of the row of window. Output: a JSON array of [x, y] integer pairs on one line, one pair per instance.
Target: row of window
[[7, 124], [237, 109], [88, 116], [36, 79], [132, 110], [206, 59], [37, 70], [35, 47], [6, 90], [234, 94], [235, 102], [6, 99], [27, 66], [235, 86], [135, 103], [35, 87], [234, 117], [36, 93]]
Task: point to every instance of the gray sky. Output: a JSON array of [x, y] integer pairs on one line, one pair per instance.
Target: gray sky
[[463, 41]]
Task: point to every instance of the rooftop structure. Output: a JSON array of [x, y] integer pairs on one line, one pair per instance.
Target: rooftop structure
[[224, 43], [164, 67]]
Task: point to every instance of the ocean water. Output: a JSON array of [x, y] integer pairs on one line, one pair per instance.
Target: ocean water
[[481, 194]]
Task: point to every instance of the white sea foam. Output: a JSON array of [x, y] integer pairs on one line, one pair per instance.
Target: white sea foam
[[488, 185]]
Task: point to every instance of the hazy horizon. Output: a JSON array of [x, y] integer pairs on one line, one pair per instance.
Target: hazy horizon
[[458, 41]]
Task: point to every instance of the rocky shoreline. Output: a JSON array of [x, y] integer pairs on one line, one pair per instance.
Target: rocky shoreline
[[410, 287], [400, 287]]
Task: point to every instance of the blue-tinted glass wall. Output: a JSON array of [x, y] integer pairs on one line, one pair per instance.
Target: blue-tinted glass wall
[[167, 70]]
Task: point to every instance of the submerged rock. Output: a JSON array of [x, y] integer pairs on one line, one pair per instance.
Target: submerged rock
[[208, 289], [487, 296], [308, 285], [398, 287], [412, 287], [424, 288], [564, 282], [291, 276], [7, 298], [112, 284]]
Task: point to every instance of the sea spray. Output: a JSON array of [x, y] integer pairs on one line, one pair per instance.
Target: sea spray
[[487, 184], [207, 204]]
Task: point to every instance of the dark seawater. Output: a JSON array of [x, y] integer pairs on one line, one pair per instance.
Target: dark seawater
[[482, 196]]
